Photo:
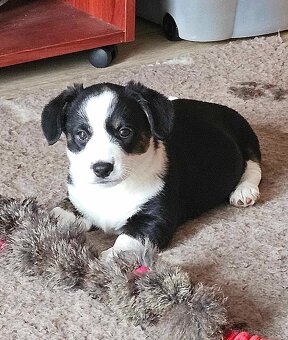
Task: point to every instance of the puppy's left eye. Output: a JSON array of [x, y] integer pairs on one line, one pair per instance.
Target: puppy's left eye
[[125, 132]]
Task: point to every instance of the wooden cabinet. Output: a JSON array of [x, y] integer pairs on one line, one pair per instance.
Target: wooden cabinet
[[37, 29]]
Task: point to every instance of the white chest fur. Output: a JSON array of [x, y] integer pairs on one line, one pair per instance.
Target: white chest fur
[[109, 208]]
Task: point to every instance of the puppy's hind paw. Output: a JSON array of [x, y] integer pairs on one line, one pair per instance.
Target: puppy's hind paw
[[245, 195]]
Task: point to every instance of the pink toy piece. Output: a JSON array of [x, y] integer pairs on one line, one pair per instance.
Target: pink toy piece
[[2, 244], [234, 335], [242, 336], [141, 270]]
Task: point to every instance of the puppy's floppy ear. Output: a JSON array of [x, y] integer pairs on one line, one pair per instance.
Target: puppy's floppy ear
[[54, 113], [158, 109]]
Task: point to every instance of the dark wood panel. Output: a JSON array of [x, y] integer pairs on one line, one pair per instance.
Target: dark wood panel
[[120, 13], [33, 30]]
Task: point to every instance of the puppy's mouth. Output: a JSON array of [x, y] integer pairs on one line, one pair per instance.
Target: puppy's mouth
[[111, 180], [107, 182]]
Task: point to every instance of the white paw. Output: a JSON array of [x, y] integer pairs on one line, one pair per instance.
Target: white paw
[[63, 216], [66, 218], [108, 255], [246, 194], [123, 243]]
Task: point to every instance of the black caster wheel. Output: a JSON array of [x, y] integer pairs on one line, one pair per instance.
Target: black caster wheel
[[170, 28], [103, 56]]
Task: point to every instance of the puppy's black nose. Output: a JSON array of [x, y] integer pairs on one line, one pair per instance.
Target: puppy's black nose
[[102, 169]]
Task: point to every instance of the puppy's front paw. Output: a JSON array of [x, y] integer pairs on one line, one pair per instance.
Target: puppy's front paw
[[246, 194], [108, 255], [63, 216], [123, 243], [66, 218]]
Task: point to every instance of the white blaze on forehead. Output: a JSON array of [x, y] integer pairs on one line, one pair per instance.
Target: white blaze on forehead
[[100, 147], [98, 108]]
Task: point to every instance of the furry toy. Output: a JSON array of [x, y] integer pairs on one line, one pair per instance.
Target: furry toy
[[139, 287]]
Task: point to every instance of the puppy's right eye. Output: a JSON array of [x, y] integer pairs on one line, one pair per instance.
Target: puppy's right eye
[[82, 136]]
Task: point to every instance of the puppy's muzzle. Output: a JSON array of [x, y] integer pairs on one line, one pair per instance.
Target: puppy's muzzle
[[102, 169]]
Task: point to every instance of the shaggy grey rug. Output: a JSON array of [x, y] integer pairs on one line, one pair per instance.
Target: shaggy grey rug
[[242, 250]]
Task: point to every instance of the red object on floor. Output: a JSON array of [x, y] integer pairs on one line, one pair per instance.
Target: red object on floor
[[140, 271], [2, 244], [236, 335]]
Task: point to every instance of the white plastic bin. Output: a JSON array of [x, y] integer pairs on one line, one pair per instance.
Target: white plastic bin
[[212, 20]]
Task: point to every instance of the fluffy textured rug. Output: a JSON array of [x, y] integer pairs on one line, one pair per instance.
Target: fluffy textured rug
[[242, 250]]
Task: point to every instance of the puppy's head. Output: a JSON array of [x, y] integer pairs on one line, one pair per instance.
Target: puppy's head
[[111, 130]]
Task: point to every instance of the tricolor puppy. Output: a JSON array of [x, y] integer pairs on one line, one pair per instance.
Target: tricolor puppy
[[141, 164]]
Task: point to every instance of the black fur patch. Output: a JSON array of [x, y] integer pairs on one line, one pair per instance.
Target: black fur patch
[[128, 114]]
